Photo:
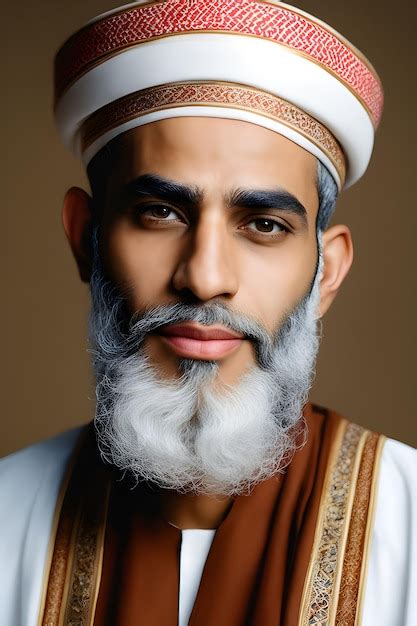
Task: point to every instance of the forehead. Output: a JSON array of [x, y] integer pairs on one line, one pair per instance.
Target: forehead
[[216, 155]]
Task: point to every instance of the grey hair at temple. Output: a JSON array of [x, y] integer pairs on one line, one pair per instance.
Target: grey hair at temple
[[327, 190]]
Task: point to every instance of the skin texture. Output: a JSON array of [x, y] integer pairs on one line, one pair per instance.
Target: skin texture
[[213, 249]]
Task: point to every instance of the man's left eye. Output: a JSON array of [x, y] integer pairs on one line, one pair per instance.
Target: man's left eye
[[267, 226]]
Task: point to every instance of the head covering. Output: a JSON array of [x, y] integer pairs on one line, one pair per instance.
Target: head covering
[[260, 61]]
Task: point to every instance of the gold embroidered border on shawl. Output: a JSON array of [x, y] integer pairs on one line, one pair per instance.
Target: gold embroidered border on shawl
[[332, 583], [88, 553], [352, 565], [336, 570], [369, 527], [75, 570]]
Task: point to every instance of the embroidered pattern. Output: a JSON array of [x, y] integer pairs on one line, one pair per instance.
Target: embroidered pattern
[[85, 571], [75, 571], [59, 565], [319, 593], [352, 564], [213, 94], [76, 563], [257, 18]]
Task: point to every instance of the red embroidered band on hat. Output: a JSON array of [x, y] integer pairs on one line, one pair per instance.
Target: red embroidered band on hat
[[257, 61], [272, 21]]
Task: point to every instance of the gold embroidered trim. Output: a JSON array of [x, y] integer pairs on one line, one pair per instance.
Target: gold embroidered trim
[[323, 579], [51, 593], [50, 551], [347, 517], [77, 558], [348, 594], [369, 528], [86, 570], [215, 94]]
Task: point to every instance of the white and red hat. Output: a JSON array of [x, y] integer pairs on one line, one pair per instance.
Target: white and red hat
[[259, 61]]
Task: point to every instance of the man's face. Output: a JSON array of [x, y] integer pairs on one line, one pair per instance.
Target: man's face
[[182, 222]]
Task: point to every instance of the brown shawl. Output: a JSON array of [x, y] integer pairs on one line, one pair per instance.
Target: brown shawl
[[290, 553]]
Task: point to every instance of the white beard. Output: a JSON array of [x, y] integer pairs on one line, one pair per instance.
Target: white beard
[[193, 434]]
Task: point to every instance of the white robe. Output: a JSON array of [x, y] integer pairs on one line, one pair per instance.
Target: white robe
[[29, 486]]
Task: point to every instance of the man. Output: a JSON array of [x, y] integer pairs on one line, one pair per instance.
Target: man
[[217, 136]]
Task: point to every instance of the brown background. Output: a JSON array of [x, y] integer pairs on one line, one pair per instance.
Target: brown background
[[366, 368]]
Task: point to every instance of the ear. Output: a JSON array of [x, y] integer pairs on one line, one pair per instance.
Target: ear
[[77, 217], [337, 257]]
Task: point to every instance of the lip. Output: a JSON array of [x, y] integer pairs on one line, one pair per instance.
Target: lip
[[200, 342], [202, 333]]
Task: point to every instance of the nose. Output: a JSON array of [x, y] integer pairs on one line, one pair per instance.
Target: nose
[[207, 267]]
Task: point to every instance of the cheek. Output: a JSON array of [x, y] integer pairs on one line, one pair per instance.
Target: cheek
[[142, 265], [274, 283]]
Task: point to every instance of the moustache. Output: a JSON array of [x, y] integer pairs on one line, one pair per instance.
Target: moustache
[[132, 330], [152, 319]]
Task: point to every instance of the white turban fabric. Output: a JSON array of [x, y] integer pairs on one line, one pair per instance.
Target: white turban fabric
[[264, 62]]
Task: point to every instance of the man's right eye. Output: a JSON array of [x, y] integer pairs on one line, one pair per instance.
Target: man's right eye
[[157, 212]]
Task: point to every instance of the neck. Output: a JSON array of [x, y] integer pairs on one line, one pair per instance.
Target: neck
[[194, 511]]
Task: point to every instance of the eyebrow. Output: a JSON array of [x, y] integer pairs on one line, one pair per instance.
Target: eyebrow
[[165, 189], [191, 195], [263, 199]]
